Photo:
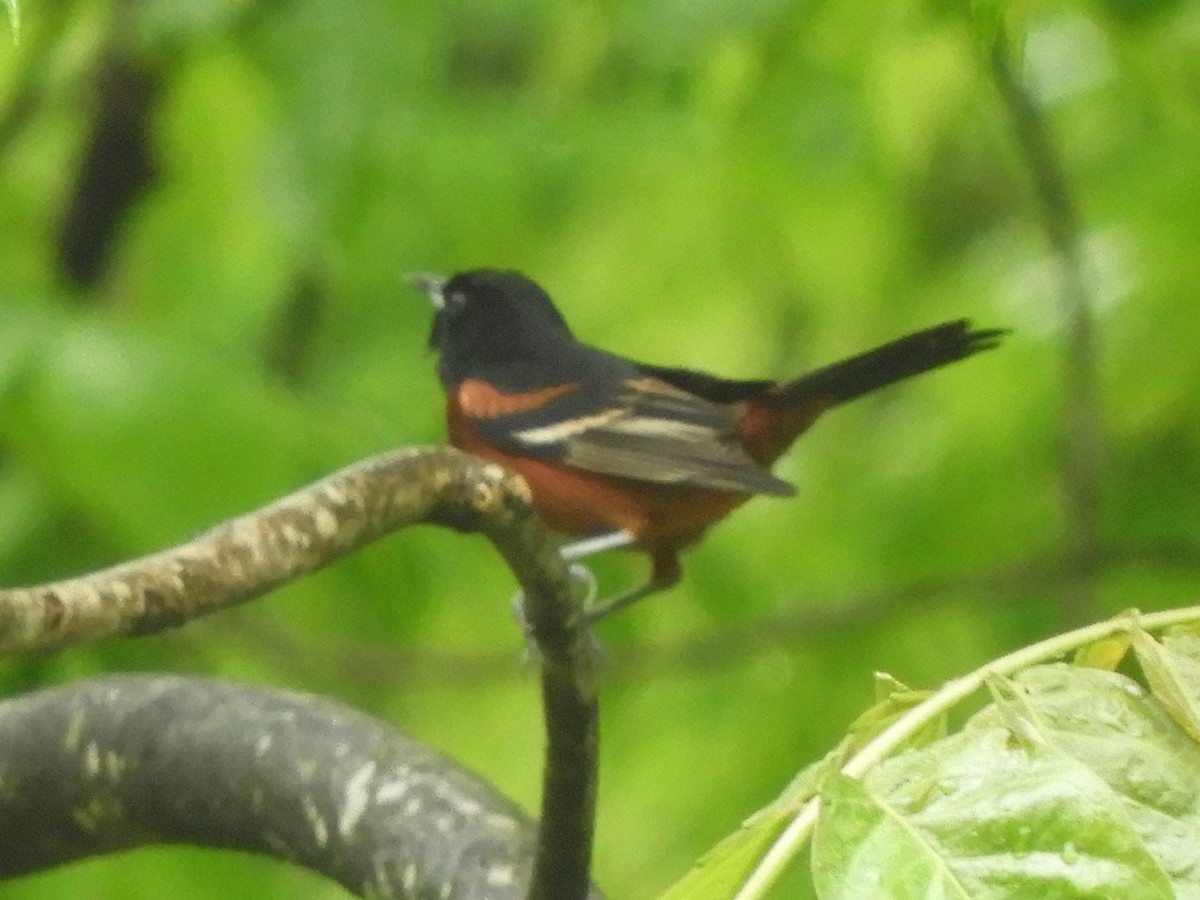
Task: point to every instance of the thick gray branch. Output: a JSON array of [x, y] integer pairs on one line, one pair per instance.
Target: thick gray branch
[[117, 762]]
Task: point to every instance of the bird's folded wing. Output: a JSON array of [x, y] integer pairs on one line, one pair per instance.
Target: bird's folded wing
[[641, 428]]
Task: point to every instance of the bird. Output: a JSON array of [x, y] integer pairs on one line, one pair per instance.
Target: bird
[[625, 454]]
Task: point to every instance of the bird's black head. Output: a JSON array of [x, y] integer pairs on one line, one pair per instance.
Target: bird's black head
[[487, 317]]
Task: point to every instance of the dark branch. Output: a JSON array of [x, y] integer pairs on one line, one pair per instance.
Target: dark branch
[[569, 699], [119, 762]]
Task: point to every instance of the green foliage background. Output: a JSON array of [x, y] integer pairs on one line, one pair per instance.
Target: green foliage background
[[754, 188]]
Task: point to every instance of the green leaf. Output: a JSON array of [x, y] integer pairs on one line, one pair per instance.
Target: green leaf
[[980, 815], [1015, 712], [893, 699], [863, 846], [1173, 670], [1106, 722], [1105, 654], [1073, 783]]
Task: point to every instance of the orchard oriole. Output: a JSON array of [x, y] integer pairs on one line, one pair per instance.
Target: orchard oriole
[[626, 453]]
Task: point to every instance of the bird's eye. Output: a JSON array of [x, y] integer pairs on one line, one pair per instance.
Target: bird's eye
[[456, 300]]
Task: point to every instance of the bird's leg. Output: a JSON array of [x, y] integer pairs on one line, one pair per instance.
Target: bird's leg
[[664, 573], [579, 573], [590, 546]]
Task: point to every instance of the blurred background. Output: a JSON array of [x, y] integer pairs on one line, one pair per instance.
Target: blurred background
[[205, 211]]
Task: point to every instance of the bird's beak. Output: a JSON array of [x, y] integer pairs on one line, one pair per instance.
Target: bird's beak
[[429, 285]]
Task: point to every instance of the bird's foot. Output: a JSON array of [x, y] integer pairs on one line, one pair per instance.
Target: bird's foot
[[584, 588]]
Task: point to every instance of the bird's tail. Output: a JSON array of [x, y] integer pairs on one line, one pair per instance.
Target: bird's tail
[[902, 358], [777, 416]]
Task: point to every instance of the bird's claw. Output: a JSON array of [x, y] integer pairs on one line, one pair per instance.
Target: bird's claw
[[581, 576], [584, 588]]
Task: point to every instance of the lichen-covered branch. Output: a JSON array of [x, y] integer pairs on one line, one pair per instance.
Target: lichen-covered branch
[[123, 761], [251, 555]]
